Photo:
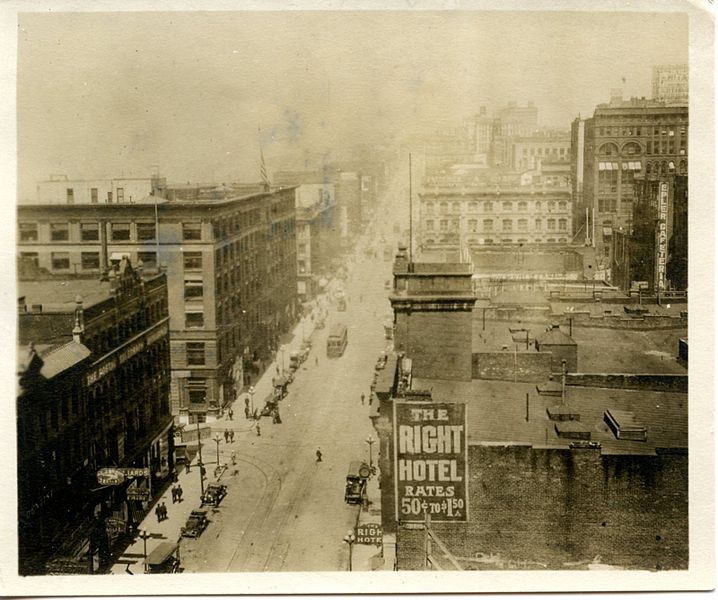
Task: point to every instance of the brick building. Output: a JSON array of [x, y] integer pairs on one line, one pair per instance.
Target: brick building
[[552, 482], [625, 141], [231, 275], [93, 392]]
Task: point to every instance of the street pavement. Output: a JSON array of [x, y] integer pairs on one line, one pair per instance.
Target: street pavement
[[285, 511]]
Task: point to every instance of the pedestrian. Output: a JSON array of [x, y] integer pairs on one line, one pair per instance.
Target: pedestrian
[[362, 398], [246, 402], [231, 436], [319, 455], [316, 361], [179, 492], [175, 477], [174, 494], [231, 414], [371, 398], [158, 512], [259, 431], [246, 412], [234, 458], [226, 436], [164, 511], [186, 467]]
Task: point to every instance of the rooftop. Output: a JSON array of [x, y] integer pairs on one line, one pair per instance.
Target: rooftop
[[59, 296], [497, 414]]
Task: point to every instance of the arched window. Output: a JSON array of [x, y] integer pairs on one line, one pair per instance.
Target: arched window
[[429, 208], [671, 166], [506, 205], [631, 149], [608, 149], [649, 168], [456, 206], [473, 206], [443, 207]]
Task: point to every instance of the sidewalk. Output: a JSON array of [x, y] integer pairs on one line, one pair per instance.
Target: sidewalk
[[132, 559]]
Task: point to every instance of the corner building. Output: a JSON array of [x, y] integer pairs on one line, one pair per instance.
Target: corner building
[[231, 275]]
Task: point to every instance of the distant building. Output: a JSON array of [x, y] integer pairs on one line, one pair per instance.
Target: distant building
[[670, 84], [527, 152], [123, 190], [93, 392], [318, 240], [501, 215], [231, 270], [625, 140]]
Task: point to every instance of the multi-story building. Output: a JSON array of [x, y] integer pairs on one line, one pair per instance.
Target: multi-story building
[[317, 236], [231, 271], [670, 84], [61, 190], [501, 215], [94, 379], [625, 139], [528, 152]]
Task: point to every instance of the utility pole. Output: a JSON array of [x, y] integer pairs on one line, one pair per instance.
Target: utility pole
[[200, 464]]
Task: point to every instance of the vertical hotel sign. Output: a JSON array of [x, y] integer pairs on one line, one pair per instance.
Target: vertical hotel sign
[[430, 461], [662, 236]]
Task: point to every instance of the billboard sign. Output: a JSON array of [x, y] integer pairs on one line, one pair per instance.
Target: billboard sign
[[662, 236], [369, 533], [430, 461], [109, 476]]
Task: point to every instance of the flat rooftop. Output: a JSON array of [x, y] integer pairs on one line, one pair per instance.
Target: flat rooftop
[[497, 414], [59, 295]]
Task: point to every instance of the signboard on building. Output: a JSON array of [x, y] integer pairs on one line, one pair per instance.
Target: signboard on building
[[662, 236], [110, 476], [430, 461], [369, 533]]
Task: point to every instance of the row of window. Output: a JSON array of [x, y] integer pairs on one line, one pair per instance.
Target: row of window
[[506, 225], [90, 232], [474, 241], [70, 195], [635, 130], [488, 206], [544, 151], [89, 261]]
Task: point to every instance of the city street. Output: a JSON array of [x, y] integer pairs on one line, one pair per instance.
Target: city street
[[284, 511]]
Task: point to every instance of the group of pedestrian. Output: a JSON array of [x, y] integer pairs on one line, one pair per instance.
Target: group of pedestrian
[[363, 397], [229, 436], [275, 417], [176, 493], [161, 512]]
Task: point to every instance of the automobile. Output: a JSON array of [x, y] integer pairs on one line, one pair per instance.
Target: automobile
[[213, 494], [355, 488], [381, 362], [163, 559], [196, 523]]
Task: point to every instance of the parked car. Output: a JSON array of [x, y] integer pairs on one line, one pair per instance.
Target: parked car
[[196, 524], [164, 559], [213, 494]]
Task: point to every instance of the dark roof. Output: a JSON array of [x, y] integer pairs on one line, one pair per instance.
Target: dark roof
[[62, 358], [59, 295], [497, 410], [554, 337]]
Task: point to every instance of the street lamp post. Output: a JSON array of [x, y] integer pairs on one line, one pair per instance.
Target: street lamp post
[[199, 461], [145, 536], [251, 399], [216, 441], [350, 538], [370, 440]]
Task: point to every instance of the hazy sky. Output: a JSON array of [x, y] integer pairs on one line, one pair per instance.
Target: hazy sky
[[103, 94]]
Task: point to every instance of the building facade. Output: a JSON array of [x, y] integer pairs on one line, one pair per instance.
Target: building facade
[[670, 84], [625, 140], [484, 216], [231, 277], [93, 393], [123, 190]]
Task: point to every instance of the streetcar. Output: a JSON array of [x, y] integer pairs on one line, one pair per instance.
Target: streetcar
[[337, 340]]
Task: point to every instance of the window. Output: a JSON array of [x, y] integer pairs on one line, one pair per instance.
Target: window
[[30, 257], [523, 224], [473, 206], [551, 224], [562, 223], [454, 224], [109, 197], [506, 225], [59, 232], [193, 319], [523, 206], [120, 194], [192, 261], [93, 195], [195, 353], [89, 232], [443, 225], [506, 206], [191, 231], [488, 241], [456, 207], [60, 260], [120, 232], [148, 259], [562, 205], [193, 290], [429, 208], [430, 225], [90, 261], [70, 196], [196, 390], [488, 225], [145, 231], [473, 225], [488, 206], [28, 232], [443, 207], [538, 224]]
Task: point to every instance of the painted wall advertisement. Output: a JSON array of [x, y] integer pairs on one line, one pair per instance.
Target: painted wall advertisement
[[662, 236], [430, 461]]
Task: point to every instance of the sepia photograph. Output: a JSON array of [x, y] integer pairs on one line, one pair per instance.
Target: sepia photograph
[[306, 300]]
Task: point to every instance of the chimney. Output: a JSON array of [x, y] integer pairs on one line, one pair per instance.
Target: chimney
[[104, 262], [37, 308], [21, 305], [79, 329]]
